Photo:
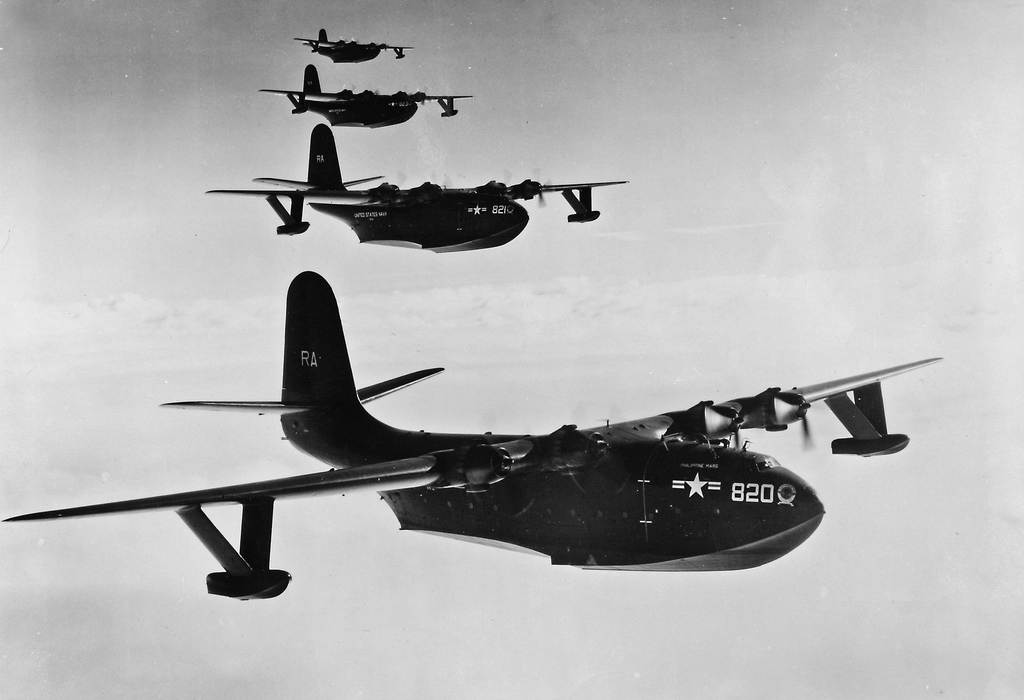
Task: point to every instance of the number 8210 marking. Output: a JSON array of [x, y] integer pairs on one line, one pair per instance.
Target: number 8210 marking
[[753, 493]]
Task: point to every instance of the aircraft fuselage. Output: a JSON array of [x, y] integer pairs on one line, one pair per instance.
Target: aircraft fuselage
[[670, 506], [347, 52], [372, 111], [451, 221]]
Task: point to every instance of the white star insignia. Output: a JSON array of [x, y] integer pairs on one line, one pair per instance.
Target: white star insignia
[[476, 210], [697, 486]]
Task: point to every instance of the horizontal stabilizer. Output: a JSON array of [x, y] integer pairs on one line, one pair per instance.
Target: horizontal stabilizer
[[260, 407], [375, 391], [297, 93], [384, 476], [366, 394], [295, 184]]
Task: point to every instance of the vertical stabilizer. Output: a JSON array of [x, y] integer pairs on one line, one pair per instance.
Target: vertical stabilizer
[[311, 81], [324, 171], [316, 363]]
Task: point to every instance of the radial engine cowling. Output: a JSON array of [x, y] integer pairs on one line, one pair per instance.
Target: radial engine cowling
[[484, 465], [707, 418], [569, 448], [772, 409]]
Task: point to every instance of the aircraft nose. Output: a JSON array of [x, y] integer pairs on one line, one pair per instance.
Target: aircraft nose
[[794, 492]]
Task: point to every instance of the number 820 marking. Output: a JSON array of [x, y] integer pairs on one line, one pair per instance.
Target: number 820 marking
[[753, 493]]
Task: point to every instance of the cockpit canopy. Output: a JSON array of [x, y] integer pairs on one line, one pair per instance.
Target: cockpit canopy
[[759, 461]]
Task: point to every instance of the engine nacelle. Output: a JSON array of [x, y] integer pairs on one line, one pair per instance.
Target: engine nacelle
[[493, 187], [527, 189], [772, 409], [788, 407], [427, 192], [484, 465], [568, 448], [385, 192], [706, 418]]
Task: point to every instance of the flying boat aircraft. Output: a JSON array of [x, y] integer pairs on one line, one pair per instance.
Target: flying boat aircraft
[[670, 492], [366, 108], [349, 51], [430, 217]]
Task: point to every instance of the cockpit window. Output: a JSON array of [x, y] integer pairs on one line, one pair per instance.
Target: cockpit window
[[761, 462]]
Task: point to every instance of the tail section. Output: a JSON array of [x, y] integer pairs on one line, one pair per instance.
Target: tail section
[[322, 37], [317, 370], [324, 171], [311, 81]]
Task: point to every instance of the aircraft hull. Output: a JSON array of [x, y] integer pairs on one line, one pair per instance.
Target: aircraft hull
[[448, 223], [371, 113], [350, 53], [635, 510]]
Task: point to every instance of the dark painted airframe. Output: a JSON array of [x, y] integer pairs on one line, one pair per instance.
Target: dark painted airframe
[[361, 109], [430, 217], [349, 51], [663, 493]]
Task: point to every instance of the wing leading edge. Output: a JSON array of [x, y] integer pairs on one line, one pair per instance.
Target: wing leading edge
[[247, 573], [816, 392], [383, 476]]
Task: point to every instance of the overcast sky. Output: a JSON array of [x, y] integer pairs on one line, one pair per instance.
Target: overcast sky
[[816, 190]]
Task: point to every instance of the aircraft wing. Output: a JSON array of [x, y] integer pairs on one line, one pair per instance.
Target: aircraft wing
[[302, 184], [308, 96], [773, 409], [383, 476], [427, 98], [580, 185], [317, 42], [816, 392]]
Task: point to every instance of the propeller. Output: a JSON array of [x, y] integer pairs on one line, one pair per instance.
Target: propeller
[[808, 442], [772, 410]]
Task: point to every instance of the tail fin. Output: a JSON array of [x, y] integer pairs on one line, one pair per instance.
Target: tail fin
[[317, 370], [311, 81], [322, 38], [324, 170]]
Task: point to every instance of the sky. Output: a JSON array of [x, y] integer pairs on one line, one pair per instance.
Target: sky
[[816, 190]]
